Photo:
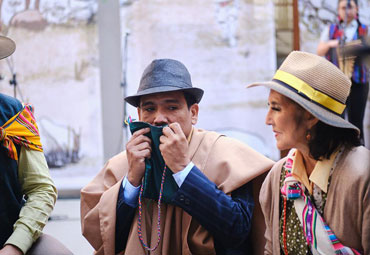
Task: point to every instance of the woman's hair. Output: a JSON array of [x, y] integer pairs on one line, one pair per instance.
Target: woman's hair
[[325, 139], [356, 1]]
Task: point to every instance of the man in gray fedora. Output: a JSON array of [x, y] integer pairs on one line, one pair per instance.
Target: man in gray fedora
[[199, 201]]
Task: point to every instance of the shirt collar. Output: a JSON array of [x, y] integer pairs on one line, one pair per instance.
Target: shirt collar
[[352, 24], [299, 170], [190, 135], [320, 174]]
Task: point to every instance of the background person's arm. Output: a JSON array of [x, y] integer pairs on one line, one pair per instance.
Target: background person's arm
[[325, 43], [325, 46]]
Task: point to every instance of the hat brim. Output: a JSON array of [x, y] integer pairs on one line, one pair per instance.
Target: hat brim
[[7, 47], [319, 112], [135, 99]]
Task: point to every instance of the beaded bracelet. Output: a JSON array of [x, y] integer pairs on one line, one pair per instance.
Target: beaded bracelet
[[159, 215]]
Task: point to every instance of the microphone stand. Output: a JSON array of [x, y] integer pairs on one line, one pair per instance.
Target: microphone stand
[[13, 81]]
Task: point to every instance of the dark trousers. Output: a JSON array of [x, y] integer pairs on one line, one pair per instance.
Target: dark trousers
[[356, 105]]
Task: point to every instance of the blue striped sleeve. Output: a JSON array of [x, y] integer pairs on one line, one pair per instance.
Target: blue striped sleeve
[[227, 218]]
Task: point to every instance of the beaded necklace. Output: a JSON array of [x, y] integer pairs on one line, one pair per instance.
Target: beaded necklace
[[159, 215], [284, 229]]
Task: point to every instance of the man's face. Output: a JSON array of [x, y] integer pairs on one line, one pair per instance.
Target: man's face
[[168, 107]]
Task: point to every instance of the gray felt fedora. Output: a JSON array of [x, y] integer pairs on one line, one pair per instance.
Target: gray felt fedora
[[165, 75], [7, 47], [315, 84]]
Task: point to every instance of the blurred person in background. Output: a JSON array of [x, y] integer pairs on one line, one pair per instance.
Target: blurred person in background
[[27, 193], [317, 199], [211, 206], [346, 31]]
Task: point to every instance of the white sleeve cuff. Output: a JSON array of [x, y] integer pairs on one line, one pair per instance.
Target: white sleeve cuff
[[180, 176], [130, 192], [324, 37]]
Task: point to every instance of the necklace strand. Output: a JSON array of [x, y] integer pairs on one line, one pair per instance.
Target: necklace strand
[[159, 215], [284, 229]]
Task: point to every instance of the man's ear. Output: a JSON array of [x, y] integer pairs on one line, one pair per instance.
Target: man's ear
[[194, 109]]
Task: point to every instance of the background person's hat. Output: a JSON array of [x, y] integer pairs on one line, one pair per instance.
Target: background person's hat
[[165, 75], [315, 84], [7, 47]]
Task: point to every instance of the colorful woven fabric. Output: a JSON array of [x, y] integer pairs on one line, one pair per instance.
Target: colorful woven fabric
[[311, 218], [292, 240], [21, 129], [336, 32], [338, 247]]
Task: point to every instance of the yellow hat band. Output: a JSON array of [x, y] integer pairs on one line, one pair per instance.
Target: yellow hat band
[[310, 92]]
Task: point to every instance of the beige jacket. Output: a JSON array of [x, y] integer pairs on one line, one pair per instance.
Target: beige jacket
[[347, 209], [225, 161]]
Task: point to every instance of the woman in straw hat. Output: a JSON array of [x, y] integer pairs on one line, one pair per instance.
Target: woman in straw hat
[[316, 200]]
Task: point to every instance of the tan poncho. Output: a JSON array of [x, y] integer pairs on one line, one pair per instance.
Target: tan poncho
[[225, 161]]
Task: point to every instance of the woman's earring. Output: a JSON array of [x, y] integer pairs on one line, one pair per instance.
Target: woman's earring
[[308, 135]]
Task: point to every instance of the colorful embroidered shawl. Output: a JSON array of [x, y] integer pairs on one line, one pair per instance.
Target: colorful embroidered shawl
[[21, 129], [318, 234]]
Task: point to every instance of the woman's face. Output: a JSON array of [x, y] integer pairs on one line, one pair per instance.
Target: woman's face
[[351, 10], [289, 122]]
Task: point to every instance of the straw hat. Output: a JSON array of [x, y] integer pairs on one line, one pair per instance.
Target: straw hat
[[315, 84], [7, 47], [165, 75]]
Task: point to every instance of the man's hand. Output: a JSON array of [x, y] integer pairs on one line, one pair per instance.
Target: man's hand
[[10, 250], [138, 148], [174, 147]]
